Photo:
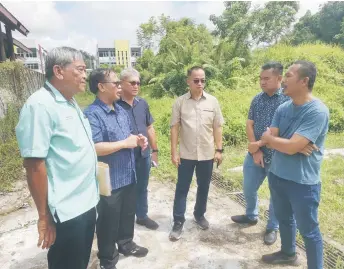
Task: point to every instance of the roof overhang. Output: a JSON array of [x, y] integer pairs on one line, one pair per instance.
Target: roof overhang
[[8, 19], [17, 43]]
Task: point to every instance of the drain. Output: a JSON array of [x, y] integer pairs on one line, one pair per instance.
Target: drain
[[333, 257]]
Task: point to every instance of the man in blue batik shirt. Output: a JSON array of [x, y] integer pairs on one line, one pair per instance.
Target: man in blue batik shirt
[[114, 144], [295, 178], [257, 161]]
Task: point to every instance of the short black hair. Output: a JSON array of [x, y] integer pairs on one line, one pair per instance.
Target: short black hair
[[307, 70], [96, 76], [277, 68], [196, 67]]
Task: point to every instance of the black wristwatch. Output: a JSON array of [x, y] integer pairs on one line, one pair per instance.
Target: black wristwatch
[[219, 150], [155, 150]]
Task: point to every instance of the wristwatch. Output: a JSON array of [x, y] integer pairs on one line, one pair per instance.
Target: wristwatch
[[219, 150], [155, 150]]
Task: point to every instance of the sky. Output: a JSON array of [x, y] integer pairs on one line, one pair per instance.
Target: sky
[[82, 24]]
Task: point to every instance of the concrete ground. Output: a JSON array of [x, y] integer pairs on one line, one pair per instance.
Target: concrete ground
[[225, 245]]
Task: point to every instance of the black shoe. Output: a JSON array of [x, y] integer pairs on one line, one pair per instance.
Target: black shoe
[[104, 267], [148, 223], [131, 249], [281, 258], [243, 219], [270, 237], [176, 231], [202, 223]]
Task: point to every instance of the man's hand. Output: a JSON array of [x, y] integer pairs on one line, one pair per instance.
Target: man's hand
[[46, 231], [307, 150], [175, 159], [266, 136], [131, 142], [155, 157], [258, 158], [218, 158], [142, 141], [253, 147]]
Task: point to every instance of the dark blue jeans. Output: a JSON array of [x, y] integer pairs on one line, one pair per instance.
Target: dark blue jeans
[[143, 166], [301, 201], [204, 170]]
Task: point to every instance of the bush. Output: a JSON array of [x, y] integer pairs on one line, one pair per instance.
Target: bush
[[11, 166]]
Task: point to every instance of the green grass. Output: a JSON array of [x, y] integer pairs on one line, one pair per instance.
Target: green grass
[[334, 140], [85, 98]]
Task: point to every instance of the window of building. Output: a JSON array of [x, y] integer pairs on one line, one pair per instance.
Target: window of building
[[32, 66], [103, 54]]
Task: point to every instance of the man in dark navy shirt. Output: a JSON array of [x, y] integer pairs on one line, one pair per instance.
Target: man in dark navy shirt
[[114, 144], [257, 161], [142, 123]]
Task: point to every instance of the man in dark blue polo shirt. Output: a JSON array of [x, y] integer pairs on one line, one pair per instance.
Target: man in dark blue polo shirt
[[114, 144], [142, 123], [257, 161]]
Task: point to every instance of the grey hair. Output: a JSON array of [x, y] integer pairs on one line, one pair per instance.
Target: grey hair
[[61, 56], [129, 72]]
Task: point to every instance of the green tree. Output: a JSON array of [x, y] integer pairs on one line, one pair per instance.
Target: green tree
[[151, 32], [326, 25], [245, 25], [273, 21], [116, 68]]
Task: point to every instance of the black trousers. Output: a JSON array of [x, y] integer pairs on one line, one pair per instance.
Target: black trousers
[[204, 170], [115, 224], [72, 247]]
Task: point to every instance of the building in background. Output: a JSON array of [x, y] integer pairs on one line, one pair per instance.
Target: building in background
[[117, 52], [7, 43], [36, 59], [135, 53]]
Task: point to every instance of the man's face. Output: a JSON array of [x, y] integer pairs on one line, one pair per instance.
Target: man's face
[[74, 76], [196, 80], [292, 83], [111, 87], [131, 86], [269, 81]]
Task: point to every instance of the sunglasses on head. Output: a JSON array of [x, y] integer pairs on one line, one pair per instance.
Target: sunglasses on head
[[196, 81], [134, 83], [115, 83]]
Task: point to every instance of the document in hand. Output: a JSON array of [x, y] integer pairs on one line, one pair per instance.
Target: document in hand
[[104, 179]]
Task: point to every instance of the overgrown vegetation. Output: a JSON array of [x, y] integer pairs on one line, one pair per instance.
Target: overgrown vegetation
[[16, 84], [11, 165]]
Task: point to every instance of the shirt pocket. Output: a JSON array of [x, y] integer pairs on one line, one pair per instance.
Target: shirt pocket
[[207, 116]]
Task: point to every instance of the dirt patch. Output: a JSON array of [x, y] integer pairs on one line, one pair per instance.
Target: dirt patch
[[16, 199], [224, 246]]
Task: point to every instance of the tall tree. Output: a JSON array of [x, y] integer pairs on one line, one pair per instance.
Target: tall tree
[[150, 33], [325, 25], [245, 24], [273, 21]]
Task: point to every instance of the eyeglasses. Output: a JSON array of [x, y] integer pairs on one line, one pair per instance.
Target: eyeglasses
[[115, 83], [196, 81], [134, 83]]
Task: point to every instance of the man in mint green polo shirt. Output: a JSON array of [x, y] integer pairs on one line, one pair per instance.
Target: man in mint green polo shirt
[[55, 140]]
